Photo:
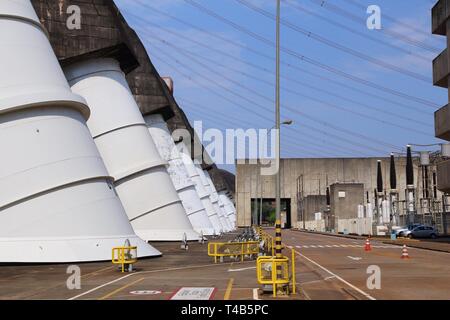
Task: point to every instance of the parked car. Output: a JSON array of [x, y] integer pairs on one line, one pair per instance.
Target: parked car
[[399, 232], [421, 232]]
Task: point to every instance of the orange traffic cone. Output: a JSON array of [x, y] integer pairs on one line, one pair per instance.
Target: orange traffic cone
[[367, 247], [405, 254]]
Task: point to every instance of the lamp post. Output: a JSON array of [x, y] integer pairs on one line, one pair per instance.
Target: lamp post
[[286, 122], [277, 143]]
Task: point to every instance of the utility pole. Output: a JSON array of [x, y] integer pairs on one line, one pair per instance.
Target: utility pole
[[277, 148]]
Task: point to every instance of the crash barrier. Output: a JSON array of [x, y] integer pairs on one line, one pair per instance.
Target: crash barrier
[[233, 249], [125, 256], [277, 272], [267, 243]]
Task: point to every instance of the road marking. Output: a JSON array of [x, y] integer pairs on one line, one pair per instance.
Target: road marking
[[335, 245], [241, 269], [354, 258], [120, 289], [290, 247], [228, 291], [344, 245], [255, 294], [300, 247], [337, 277], [312, 246], [328, 246], [320, 246], [145, 272]]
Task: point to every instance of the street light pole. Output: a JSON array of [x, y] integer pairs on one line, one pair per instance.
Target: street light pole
[[277, 143]]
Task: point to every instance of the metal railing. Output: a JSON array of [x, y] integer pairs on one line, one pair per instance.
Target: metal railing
[[124, 256], [267, 243], [233, 249]]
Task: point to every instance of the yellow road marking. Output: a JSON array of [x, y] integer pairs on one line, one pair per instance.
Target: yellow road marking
[[87, 275], [120, 289], [229, 287]]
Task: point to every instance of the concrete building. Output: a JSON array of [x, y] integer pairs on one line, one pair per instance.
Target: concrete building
[[301, 178], [441, 72]]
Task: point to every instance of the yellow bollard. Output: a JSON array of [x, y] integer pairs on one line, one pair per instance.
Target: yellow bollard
[[293, 272]]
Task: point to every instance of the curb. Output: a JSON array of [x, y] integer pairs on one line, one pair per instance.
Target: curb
[[411, 245]]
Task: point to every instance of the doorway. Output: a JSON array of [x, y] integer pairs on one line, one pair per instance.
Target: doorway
[[268, 212]]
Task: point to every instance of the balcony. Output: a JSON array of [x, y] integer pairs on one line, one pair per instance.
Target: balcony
[[442, 123], [440, 70], [440, 14], [443, 176]]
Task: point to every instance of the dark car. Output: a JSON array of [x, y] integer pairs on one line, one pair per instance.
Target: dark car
[[421, 232]]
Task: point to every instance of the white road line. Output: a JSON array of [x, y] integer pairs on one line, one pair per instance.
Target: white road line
[[337, 277], [143, 272], [312, 246], [344, 245], [328, 246], [99, 287], [335, 245], [299, 247], [290, 247], [241, 269], [320, 246], [255, 294]]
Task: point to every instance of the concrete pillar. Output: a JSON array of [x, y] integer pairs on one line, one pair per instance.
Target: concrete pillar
[[57, 201], [130, 155], [178, 173]]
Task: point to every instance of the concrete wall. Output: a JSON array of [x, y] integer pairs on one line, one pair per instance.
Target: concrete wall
[[316, 172], [345, 198], [313, 204]]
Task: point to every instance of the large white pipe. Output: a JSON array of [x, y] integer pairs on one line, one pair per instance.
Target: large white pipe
[[129, 153], [201, 191], [57, 201], [216, 200], [229, 208], [178, 173], [213, 198]]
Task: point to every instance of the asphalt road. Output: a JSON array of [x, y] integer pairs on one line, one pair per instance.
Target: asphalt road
[[327, 268], [344, 263]]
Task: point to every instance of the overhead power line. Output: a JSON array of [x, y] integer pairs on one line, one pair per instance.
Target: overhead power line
[[311, 61], [335, 45], [260, 54], [356, 18], [322, 122], [193, 57], [365, 35], [258, 114]]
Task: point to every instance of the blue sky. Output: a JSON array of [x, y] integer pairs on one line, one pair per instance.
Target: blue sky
[[220, 80]]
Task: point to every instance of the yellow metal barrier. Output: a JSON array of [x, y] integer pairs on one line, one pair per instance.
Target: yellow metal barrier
[[124, 256], [232, 249], [274, 271], [269, 243]]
